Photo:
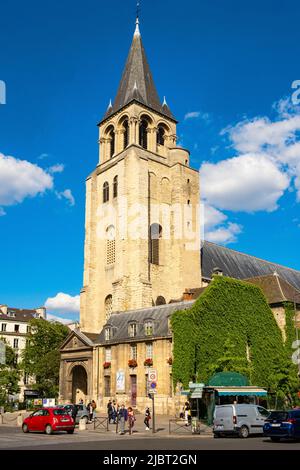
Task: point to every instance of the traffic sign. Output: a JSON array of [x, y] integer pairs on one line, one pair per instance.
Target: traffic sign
[[152, 375], [153, 385]]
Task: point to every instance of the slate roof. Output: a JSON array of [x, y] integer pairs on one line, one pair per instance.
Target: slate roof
[[276, 289], [242, 266], [18, 315], [119, 323], [137, 82]]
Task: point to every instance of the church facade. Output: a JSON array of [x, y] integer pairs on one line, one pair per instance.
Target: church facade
[[142, 254]]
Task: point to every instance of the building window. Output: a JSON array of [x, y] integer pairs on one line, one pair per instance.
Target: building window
[[16, 343], [143, 140], [3, 327], [133, 352], [149, 328], [26, 379], [107, 386], [149, 350], [115, 186], [110, 245], [28, 329], [108, 307], [107, 334], [17, 328], [155, 236], [160, 135], [107, 354], [126, 132], [105, 191], [111, 137], [132, 330]]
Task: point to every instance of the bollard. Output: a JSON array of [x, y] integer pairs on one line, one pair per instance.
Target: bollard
[[82, 425], [19, 420]]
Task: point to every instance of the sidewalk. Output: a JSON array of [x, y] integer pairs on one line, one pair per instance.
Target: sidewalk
[[161, 427]]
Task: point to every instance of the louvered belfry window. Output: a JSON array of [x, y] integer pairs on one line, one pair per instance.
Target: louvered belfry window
[[105, 191], [143, 134], [115, 186], [110, 245], [126, 128], [155, 236]]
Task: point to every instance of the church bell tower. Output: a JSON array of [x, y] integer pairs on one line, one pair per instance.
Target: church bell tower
[[142, 240]]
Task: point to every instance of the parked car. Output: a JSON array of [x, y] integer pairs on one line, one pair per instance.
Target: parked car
[[77, 411], [49, 420], [283, 424], [239, 419]]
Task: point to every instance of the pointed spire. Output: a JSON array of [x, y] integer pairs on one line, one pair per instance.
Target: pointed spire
[[137, 29], [109, 105], [137, 82], [165, 102]]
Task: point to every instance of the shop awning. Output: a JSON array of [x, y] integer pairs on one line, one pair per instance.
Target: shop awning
[[241, 391]]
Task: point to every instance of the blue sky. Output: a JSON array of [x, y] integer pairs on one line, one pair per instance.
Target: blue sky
[[226, 69]]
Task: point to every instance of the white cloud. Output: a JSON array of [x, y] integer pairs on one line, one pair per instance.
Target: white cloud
[[63, 303], [42, 156], [264, 165], [224, 234], [54, 318], [250, 182], [58, 168], [196, 115], [212, 216], [67, 194], [20, 179]]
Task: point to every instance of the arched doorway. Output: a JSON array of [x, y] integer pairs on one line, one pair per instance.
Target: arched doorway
[[79, 384]]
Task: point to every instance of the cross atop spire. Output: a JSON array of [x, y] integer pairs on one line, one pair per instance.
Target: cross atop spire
[[137, 82]]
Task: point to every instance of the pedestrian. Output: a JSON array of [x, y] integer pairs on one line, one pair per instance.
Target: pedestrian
[[109, 411], [90, 410], [81, 401], [187, 413], [131, 419], [122, 418], [114, 412], [94, 406], [147, 418]]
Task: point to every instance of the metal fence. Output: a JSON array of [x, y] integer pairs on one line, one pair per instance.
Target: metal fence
[[101, 423]]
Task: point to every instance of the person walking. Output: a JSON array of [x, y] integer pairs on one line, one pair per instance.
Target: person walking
[[187, 413], [114, 412], [94, 406], [147, 418], [122, 418], [90, 410], [109, 411], [131, 419]]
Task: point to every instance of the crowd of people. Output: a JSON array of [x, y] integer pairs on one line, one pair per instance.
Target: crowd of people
[[120, 416]]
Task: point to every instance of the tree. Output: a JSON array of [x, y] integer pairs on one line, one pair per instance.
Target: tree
[[284, 382], [9, 375], [230, 361], [41, 356]]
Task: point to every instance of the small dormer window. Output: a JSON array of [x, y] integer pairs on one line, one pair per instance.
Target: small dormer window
[[132, 330], [148, 328], [108, 334]]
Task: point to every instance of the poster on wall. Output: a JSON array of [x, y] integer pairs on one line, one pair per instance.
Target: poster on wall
[[120, 378]]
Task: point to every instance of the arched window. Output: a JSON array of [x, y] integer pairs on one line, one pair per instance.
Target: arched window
[[105, 191], [160, 135], [160, 300], [115, 186], [110, 245], [108, 306], [155, 235], [126, 133], [143, 141], [112, 142]]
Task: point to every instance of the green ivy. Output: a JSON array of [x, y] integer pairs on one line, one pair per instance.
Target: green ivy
[[228, 312]]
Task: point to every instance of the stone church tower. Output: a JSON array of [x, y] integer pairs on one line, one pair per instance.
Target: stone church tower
[[142, 240]]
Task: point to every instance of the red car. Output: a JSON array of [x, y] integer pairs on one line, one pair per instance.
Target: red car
[[49, 420]]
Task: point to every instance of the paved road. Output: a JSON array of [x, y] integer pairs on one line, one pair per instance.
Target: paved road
[[13, 438]]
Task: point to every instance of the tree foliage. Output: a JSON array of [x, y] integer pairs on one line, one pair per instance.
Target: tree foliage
[[9, 375], [41, 356], [231, 327]]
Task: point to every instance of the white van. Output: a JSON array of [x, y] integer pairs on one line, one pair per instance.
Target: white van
[[239, 419]]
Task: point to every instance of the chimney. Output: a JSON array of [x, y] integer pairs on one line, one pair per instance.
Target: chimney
[[187, 295], [3, 309], [41, 312]]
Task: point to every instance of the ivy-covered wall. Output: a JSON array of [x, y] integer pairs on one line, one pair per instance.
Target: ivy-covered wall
[[229, 312]]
